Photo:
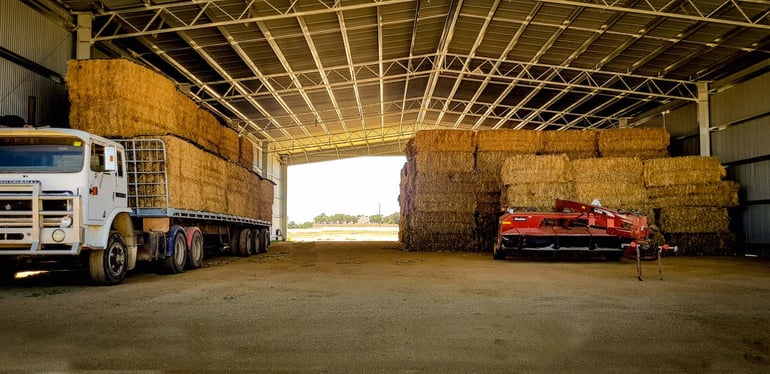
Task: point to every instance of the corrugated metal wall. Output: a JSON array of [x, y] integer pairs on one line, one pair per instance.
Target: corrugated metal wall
[[744, 147], [27, 33]]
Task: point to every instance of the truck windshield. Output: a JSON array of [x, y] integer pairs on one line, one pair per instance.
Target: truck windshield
[[30, 154]]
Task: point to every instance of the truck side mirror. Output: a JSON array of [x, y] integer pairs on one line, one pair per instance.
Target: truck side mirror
[[110, 159]]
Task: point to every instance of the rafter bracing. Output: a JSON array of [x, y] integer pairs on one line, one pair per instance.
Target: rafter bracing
[[650, 9]]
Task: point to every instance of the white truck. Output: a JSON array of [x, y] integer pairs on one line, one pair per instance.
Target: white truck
[[68, 197]]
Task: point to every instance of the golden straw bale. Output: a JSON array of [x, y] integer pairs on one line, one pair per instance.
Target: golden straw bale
[[714, 194], [540, 196], [682, 170], [693, 219], [704, 244], [613, 195], [491, 162], [444, 162], [458, 203], [441, 141], [444, 183], [531, 168], [638, 142], [575, 144], [515, 141], [610, 170]]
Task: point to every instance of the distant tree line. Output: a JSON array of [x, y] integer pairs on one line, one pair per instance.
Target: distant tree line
[[339, 219]]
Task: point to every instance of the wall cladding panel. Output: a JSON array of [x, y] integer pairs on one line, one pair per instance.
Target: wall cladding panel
[[756, 219], [754, 179], [744, 101], [27, 33], [744, 141]]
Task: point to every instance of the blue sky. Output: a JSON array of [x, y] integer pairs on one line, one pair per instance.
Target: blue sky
[[352, 186]]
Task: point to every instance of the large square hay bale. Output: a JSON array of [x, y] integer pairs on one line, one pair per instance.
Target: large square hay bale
[[540, 196], [441, 141], [536, 169], [714, 194], [610, 170], [690, 220], [614, 195], [514, 141], [443, 162], [682, 170], [576, 144], [637, 142]]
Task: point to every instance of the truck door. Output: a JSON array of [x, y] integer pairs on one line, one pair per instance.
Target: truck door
[[107, 186]]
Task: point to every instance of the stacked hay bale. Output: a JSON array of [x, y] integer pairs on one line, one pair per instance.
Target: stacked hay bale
[[438, 192], [574, 144], [634, 142], [209, 166], [532, 182], [493, 147], [615, 182], [692, 201]]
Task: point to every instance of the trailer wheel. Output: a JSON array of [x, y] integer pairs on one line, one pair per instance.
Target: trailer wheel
[[245, 243], [195, 250], [263, 237], [109, 266], [175, 263]]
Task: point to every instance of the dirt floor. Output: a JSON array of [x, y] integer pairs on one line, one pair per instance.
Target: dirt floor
[[366, 307]]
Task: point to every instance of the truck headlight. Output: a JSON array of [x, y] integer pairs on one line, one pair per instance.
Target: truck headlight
[[58, 235], [66, 221]]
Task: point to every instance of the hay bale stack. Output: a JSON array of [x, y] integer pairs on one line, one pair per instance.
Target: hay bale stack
[[692, 201], [644, 143], [616, 182], [576, 144], [120, 99], [437, 192], [535, 182], [202, 181]]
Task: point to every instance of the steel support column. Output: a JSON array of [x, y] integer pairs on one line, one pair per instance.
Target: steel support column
[[283, 186], [83, 34], [704, 122]]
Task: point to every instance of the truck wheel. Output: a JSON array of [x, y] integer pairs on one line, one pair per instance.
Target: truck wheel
[[195, 250], [108, 266], [175, 263], [245, 243], [263, 237], [7, 272]]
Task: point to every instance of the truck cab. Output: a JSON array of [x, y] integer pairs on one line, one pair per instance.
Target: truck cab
[[63, 194]]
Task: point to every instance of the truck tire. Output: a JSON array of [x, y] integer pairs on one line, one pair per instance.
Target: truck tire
[[263, 238], [195, 249], [109, 266], [245, 243], [175, 263], [7, 272]]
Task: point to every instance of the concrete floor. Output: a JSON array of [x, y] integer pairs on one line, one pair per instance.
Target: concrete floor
[[369, 307]]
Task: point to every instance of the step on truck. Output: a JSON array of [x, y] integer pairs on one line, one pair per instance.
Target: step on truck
[[71, 198]]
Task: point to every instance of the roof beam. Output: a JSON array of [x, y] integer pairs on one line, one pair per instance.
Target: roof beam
[[447, 33], [141, 20], [651, 10]]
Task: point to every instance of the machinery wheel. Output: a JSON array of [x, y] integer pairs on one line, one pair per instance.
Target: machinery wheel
[[498, 253], [195, 249], [263, 238], [175, 263], [614, 257], [109, 266], [245, 243]]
